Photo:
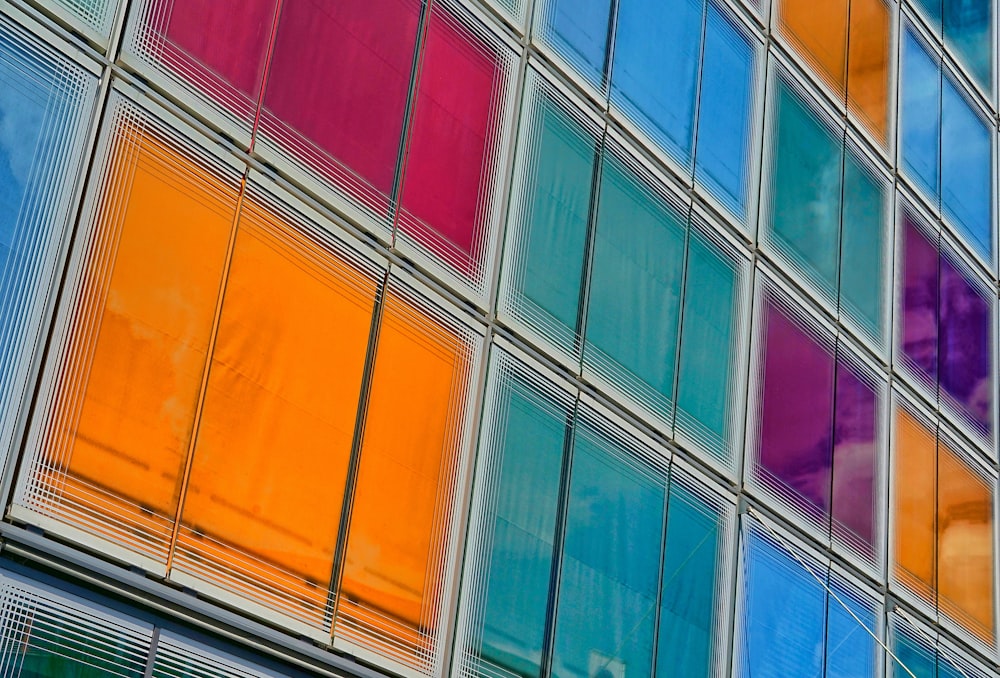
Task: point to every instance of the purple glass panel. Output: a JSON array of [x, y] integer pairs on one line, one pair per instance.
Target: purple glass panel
[[797, 412], [964, 347], [855, 462], [920, 289]]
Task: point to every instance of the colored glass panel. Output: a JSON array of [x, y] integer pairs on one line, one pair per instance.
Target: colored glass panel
[[966, 169], [94, 14], [868, 65], [726, 111], [850, 651], [655, 76], [919, 301], [968, 30], [819, 33], [914, 469], [578, 29], [918, 659], [864, 240], [920, 115]]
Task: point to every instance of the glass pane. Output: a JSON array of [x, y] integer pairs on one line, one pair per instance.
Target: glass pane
[[634, 303], [578, 30], [966, 170], [818, 31], [850, 651], [285, 376], [868, 65], [805, 205], [968, 29], [914, 462], [864, 238], [918, 659], [531, 445], [611, 563], [920, 115], [726, 112], [655, 76], [97, 15], [919, 332]]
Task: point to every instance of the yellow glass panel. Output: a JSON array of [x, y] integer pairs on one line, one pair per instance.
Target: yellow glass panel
[[273, 450], [137, 351], [913, 473], [868, 65], [966, 559], [402, 501], [818, 31]]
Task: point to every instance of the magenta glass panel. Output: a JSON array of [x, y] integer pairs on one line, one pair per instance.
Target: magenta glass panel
[[228, 37], [340, 77], [920, 289], [855, 458], [964, 346], [450, 155], [796, 415]]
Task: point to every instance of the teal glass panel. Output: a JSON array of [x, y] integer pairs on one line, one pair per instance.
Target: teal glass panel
[[655, 74], [914, 656], [633, 314], [709, 350], [863, 274], [689, 589], [520, 563], [806, 189], [55, 649], [966, 169], [725, 112], [850, 651], [557, 212], [920, 117], [932, 12], [606, 608], [968, 30]]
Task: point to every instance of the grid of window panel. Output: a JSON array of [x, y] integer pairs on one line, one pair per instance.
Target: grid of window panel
[[591, 338]]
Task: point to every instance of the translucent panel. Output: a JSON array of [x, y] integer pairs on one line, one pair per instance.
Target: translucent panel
[[965, 542], [965, 356], [337, 90], [966, 170], [794, 452], [932, 10], [655, 76], [393, 571], [968, 30], [529, 444], [818, 31], [633, 315], [868, 65], [914, 461], [579, 31], [453, 150], [919, 301], [546, 245], [805, 204], [285, 376], [864, 275], [783, 607], [920, 114], [917, 659], [218, 48], [94, 15], [611, 562], [726, 112], [709, 397], [45, 103], [851, 652], [138, 323]]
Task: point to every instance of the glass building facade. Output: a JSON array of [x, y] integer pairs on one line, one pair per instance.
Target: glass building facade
[[502, 338]]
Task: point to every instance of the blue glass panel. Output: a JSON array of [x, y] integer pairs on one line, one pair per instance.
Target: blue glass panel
[[654, 80], [725, 123], [851, 652], [966, 168], [968, 30], [932, 11], [920, 124], [579, 30], [605, 617]]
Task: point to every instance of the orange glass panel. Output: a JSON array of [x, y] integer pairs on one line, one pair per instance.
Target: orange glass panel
[[135, 357], [914, 474], [868, 65], [818, 30], [270, 466], [402, 502], [966, 559]]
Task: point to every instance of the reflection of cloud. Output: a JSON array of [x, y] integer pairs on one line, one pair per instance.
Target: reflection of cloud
[[20, 119]]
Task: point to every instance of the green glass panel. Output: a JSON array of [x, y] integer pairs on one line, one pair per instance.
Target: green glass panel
[[56, 650], [606, 609], [524, 531], [862, 272], [558, 207], [690, 577], [708, 354], [805, 190], [635, 289]]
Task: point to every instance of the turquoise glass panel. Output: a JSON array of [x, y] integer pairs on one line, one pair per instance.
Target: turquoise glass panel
[[634, 309], [709, 346], [863, 274], [920, 117], [968, 30], [520, 563], [54, 649], [806, 189], [850, 651], [655, 75], [725, 117], [606, 609], [966, 169], [914, 656], [579, 29], [558, 189], [690, 580]]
